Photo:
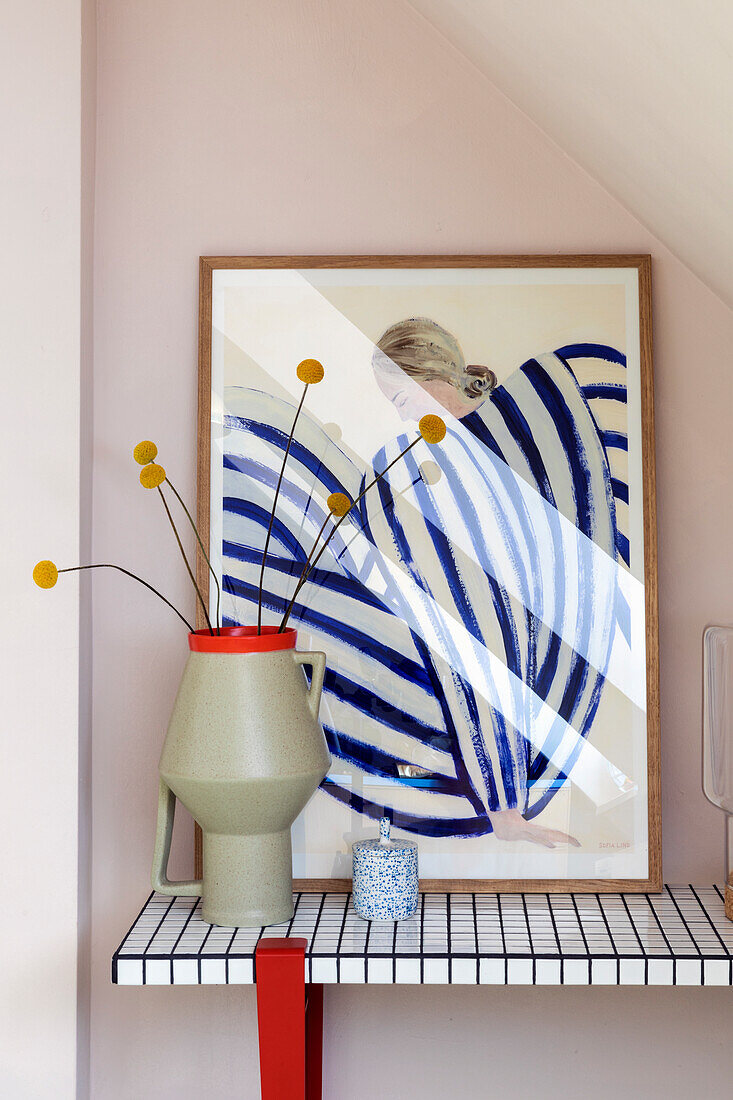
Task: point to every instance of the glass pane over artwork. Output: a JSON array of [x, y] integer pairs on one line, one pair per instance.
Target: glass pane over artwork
[[482, 607]]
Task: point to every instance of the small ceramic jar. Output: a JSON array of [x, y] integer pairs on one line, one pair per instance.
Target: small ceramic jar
[[385, 876]]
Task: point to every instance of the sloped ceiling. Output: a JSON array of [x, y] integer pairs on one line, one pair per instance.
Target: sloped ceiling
[[638, 92]]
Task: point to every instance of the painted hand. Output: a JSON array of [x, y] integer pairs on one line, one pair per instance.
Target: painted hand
[[510, 825]]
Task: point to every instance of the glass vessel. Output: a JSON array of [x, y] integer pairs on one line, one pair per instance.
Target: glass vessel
[[718, 736]]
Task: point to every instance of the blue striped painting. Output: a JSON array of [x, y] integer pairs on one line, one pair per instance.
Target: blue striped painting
[[471, 607]]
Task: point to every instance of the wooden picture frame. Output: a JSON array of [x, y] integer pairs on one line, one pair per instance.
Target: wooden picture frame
[[641, 264]]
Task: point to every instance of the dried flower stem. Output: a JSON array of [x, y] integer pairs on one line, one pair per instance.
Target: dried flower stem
[[272, 513], [185, 560], [308, 568], [179, 498], [106, 565], [305, 570]]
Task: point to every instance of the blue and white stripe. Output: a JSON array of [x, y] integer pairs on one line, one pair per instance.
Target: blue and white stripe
[[469, 624]]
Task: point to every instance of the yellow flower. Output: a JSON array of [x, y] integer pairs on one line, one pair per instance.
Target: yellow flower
[[310, 371], [152, 476], [145, 452], [45, 574], [432, 428], [338, 504]]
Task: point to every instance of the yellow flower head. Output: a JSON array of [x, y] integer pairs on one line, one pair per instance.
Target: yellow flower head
[[310, 371], [145, 452], [45, 574], [152, 476], [432, 428], [338, 504]]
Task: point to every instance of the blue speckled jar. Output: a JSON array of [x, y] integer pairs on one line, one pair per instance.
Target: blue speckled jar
[[385, 876]]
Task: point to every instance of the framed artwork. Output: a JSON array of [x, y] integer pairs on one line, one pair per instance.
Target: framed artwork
[[489, 608]]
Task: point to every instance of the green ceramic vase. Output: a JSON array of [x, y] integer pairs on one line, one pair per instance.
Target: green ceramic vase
[[244, 753]]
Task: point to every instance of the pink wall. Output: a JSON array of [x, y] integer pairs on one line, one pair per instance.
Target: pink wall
[[320, 126], [44, 999]]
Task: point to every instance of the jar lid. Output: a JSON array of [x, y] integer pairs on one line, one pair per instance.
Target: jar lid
[[383, 846]]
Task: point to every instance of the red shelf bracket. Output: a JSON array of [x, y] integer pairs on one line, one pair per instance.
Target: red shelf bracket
[[289, 1021]]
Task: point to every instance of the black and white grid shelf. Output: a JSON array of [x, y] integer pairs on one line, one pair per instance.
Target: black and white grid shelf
[[678, 937]]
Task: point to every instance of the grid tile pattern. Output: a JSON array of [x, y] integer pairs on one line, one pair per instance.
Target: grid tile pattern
[[678, 937]]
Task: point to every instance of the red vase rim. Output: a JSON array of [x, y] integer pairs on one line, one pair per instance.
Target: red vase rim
[[242, 639]]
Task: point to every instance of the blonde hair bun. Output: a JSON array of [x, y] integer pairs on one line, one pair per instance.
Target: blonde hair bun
[[427, 352]]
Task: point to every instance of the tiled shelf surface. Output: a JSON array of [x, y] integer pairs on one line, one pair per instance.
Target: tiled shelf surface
[[678, 937]]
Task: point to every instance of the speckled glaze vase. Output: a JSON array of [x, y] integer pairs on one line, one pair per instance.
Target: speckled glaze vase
[[244, 752], [385, 876]]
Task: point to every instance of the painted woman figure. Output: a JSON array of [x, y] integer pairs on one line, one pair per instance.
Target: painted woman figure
[[485, 547], [455, 607]]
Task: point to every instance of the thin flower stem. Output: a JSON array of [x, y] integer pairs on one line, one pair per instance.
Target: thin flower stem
[[185, 560], [179, 498], [274, 506], [306, 571], [106, 565]]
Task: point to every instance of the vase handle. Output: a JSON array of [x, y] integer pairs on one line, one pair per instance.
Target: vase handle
[[191, 888], [317, 663]]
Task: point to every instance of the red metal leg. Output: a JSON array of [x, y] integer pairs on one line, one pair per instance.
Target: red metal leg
[[281, 1018], [314, 1042]]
